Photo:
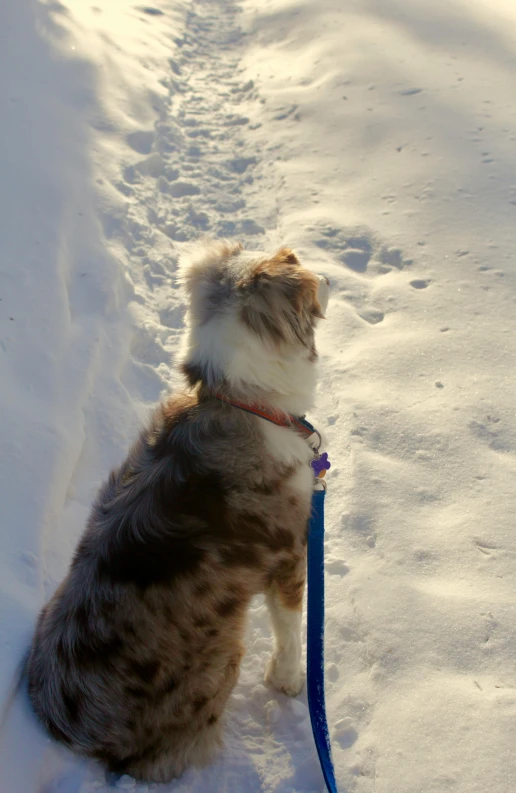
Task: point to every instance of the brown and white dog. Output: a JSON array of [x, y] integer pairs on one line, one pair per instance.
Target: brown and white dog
[[136, 654]]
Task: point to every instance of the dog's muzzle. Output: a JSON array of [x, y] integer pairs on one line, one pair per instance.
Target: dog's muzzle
[[323, 293]]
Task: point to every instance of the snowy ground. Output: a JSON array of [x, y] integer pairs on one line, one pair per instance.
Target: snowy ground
[[378, 138]]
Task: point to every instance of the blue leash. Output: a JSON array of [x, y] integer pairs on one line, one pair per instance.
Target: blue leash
[[315, 639]]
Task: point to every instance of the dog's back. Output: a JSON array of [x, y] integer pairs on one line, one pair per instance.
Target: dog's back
[[138, 650]]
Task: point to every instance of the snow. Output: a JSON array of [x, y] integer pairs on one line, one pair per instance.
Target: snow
[[377, 137]]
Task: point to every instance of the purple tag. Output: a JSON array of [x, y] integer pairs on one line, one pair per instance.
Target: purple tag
[[320, 464]]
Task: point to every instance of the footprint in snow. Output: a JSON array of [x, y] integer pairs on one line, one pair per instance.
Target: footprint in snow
[[152, 165], [353, 250], [372, 316], [337, 567], [356, 259], [147, 349], [172, 316], [179, 189], [360, 251], [141, 141], [344, 733], [151, 11], [485, 548]]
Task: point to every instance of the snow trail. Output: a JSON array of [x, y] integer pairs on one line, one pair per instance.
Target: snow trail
[[201, 173], [117, 314]]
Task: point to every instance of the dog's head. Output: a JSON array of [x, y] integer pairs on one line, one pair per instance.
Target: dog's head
[[251, 319]]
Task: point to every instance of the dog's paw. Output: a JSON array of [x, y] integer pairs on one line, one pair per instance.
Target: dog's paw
[[284, 676]]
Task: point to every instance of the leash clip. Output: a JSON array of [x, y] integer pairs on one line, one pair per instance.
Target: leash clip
[[313, 445]]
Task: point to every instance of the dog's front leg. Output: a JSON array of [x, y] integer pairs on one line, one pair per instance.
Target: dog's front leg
[[285, 601]]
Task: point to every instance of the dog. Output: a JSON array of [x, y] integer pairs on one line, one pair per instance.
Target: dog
[[137, 652]]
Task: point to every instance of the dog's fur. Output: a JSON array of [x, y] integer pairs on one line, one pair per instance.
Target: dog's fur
[[137, 652]]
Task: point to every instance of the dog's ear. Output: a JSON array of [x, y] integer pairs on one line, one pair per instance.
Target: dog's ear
[[202, 264], [280, 299], [287, 256]]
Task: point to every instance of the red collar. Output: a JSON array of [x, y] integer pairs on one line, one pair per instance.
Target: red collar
[[298, 423]]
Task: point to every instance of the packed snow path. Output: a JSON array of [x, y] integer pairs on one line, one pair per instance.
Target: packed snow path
[[377, 138]]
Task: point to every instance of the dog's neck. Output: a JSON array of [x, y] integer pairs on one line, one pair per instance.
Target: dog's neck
[[235, 363], [279, 393]]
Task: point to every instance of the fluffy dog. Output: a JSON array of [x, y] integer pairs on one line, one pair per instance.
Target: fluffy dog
[[135, 655]]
